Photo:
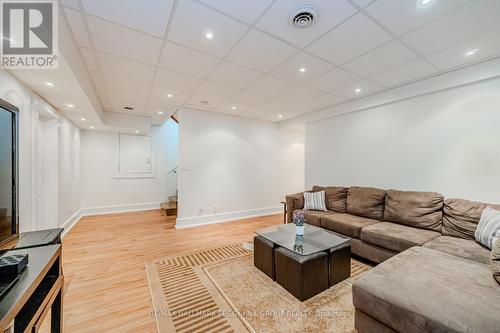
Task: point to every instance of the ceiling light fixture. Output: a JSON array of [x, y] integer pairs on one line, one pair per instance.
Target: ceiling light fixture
[[70, 106], [470, 53], [424, 3], [91, 127], [233, 107], [160, 112], [83, 119], [169, 95], [280, 116], [209, 35], [50, 84], [357, 90], [137, 132], [302, 70]]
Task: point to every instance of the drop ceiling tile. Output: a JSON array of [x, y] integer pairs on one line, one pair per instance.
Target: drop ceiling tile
[[71, 3], [362, 3], [196, 99], [247, 98], [216, 90], [149, 16], [269, 86], [330, 13], [160, 95], [291, 69], [234, 75], [114, 84], [260, 51], [75, 21], [124, 68], [468, 22], [334, 79], [183, 60], [381, 59], [90, 59], [327, 100], [405, 73], [302, 93], [367, 88], [117, 40], [487, 46], [401, 17], [350, 40], [173, 80], [193, 20], [246, 11]]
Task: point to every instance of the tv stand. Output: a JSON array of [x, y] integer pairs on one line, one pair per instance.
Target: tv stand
[[39, 289]]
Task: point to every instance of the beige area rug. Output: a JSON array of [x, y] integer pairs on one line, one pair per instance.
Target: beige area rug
[[219, 290]]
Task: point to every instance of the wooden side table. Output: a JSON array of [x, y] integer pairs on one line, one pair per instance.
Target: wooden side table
[[284, 211]]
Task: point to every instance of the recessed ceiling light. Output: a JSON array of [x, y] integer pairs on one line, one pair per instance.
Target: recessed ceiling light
[[160, 112], [83, 119], [169, 95], [470, 53], [302, 70], [91, 127], [136, 132], [280, 116], [50, 84], [233, 107], [209, 35], [357, 90], [424, 3], [70, 106]]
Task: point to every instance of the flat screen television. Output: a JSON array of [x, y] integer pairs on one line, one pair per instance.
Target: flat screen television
[[9, 220]]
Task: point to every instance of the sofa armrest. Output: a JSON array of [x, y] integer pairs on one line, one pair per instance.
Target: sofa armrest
[[293, 202]]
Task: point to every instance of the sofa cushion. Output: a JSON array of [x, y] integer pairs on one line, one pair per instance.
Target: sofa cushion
[[464, 248], [422, 210], [346, 224], [460, 217], [314, 217], [423, 290], [396, 237], [366, 202], [336, 197]]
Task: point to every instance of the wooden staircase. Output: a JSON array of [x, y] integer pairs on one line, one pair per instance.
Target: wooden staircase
[[170, 207]]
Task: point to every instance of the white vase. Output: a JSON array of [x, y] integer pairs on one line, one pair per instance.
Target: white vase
[[299, 230]]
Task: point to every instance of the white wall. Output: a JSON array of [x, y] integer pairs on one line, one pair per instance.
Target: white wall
[[103, 192], [29, 103], [232, 167], [447, 142]]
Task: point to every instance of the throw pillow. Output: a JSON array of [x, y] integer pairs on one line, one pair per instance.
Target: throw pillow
[[314, 201], [495, 260], [488, 228]]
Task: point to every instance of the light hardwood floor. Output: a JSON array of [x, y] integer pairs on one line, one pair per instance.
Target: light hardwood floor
[[106, 287]]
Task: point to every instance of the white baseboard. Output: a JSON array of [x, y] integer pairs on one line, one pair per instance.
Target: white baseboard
[[89, 211], [70, 223], [189, 222]]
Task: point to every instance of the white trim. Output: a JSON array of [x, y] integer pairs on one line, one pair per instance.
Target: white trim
[[189, 222], [89, 211], [71, 222]]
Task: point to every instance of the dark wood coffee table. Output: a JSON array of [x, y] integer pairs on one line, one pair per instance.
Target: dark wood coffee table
[[287, 266]]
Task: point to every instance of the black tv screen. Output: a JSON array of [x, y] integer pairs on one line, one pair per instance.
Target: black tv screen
[[8, 171]]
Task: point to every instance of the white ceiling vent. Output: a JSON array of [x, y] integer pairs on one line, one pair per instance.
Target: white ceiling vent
[[303, 17]]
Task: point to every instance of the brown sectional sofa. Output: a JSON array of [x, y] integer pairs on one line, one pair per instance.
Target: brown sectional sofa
[[434, 277]]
